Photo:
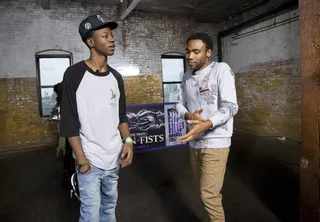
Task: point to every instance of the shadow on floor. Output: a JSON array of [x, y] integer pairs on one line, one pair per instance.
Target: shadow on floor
[[270, 169], [166, 177], [261, 184]]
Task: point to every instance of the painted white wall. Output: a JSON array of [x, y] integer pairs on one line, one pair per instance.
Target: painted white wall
[[276, 39]]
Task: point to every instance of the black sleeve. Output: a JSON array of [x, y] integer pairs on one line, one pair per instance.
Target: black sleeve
[[69, 120], [122, 100]]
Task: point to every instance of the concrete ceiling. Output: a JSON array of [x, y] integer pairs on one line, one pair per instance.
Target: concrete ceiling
[[104, 2], [207, 10], [204, 10]]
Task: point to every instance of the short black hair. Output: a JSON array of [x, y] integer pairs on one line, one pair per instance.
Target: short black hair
[[203, 37]]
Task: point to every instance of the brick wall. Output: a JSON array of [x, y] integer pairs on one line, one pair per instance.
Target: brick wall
[[266, 60], [20, 122], [26, 28], [142, 95]]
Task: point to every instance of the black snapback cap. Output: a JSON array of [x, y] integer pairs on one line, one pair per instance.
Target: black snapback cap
[[94, 22]]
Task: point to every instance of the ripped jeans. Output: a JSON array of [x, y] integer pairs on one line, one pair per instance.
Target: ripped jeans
[[98, 195]]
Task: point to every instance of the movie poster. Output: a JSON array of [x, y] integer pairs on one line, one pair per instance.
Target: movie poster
[[147, 125], [175, 126]]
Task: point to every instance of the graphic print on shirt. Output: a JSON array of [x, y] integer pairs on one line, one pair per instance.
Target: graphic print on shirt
[[199, 143], [228, 106], [231, 107], [224, 126], [113, 94], [113, 98], [207, 93]]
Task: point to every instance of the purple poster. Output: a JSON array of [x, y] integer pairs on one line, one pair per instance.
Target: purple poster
[[147, 125]]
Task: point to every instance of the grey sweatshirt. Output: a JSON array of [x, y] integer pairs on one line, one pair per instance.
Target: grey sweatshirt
[[213, 90]]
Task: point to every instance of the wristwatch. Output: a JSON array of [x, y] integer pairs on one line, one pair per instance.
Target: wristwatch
[[129, 141]]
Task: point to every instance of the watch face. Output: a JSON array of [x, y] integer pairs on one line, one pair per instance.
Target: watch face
[[129, 139]]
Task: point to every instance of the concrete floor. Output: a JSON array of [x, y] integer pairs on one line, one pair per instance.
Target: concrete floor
[[261, 185]]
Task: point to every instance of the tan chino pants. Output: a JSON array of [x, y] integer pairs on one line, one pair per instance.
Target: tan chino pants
[[209, 167]]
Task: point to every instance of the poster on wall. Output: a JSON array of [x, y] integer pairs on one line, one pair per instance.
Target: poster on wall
[[175, 126], [147, 125]]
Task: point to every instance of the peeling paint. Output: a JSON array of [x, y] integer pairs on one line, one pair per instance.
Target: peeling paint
[[267, 77]]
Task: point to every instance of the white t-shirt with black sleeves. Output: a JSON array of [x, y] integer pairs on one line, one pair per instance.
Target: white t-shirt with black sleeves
[[92, 107]]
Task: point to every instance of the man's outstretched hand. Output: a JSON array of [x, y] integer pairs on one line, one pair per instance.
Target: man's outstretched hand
[[198, 127], [195, 115]]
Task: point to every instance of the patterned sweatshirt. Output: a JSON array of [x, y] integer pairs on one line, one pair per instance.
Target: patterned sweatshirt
[[213, 90]]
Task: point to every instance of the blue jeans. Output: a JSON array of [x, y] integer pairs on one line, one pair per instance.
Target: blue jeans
[[98, 195]]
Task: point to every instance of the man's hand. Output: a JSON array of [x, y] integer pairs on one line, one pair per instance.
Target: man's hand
[[85, 169], [126, 155], [194, 116], [199, 127]]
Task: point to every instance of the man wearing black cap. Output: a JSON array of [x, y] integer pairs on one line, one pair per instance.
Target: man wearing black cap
[[93, 115]]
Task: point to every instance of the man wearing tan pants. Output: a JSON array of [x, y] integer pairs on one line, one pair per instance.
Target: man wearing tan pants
[[208, 102]]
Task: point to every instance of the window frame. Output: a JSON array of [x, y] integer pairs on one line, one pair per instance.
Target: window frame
[[175, 56], [51, 53]]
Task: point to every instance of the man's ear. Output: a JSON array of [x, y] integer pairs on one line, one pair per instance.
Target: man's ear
[[209, 52], [90, 42]]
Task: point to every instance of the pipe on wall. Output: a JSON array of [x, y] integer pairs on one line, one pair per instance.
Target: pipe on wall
[[287, 6]]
